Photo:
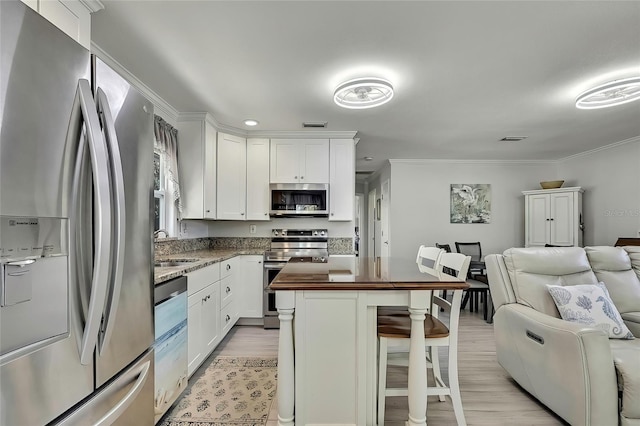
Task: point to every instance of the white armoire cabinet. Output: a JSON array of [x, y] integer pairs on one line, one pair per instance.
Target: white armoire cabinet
[[553, 216]]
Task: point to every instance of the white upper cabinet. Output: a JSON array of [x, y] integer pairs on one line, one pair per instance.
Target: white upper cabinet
[[232, 177], [257, 179], [342, 179], [197, 162], [73, 17], [553, 216], [299, 161]]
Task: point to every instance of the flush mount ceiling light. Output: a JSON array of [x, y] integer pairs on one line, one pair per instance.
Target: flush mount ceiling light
[[251, 122], [363, 93], [610, 94]]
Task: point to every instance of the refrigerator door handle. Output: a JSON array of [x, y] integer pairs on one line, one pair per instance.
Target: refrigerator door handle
[[84, 106], [85, 415], [119, 210], [125, 402]]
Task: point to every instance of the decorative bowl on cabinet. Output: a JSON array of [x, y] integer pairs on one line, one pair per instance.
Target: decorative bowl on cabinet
[[551, 184]]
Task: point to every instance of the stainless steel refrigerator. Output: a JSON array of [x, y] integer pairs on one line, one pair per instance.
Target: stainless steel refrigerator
[[76, 292]]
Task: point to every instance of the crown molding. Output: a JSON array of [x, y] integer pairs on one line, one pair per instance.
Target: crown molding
[[92, 5], [280, 134], [162, 107], [303, 134], [602, 148], [463, 161]]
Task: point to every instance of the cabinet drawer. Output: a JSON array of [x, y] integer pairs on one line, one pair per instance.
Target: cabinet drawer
[[227, 289], [200, 278], [227, 318], [228, 267]]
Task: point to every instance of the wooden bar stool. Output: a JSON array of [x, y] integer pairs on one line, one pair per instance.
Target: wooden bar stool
[[394, 332]]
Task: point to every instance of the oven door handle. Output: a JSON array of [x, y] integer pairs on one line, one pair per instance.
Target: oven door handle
[[271, 267]]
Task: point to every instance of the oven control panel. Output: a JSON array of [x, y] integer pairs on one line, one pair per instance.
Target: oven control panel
[[300, 233]]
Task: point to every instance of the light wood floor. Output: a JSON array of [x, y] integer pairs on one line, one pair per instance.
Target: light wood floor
[[489, 396]]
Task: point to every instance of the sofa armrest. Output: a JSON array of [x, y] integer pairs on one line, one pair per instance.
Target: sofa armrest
[[567, 366]]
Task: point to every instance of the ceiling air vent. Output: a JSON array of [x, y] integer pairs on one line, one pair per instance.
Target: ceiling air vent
[[314, 124], [513, 138]]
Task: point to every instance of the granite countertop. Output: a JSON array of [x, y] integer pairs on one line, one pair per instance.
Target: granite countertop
[[195, 260]]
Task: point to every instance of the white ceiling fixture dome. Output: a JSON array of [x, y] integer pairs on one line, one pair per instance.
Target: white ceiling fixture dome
[[363, 93], [610, 94]]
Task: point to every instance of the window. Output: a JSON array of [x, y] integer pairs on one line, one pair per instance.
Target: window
[[159, 186]]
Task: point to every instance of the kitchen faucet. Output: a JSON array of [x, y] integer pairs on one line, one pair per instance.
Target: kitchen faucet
[[156, 233]]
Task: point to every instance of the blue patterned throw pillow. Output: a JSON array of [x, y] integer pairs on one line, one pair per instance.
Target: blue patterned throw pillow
[[590, 304]]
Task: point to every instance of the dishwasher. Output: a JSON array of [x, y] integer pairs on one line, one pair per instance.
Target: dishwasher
[[170, 298]]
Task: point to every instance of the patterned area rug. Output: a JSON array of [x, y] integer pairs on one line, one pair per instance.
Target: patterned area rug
[[231, 392]]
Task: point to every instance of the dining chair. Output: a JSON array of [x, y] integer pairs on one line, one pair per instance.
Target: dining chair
[[478, 291], [394, 332]]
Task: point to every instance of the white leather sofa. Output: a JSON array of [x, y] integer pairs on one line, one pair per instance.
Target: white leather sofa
[[577, 371]]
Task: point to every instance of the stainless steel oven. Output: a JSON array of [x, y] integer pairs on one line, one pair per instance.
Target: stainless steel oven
[[287, 244], [270, 313]]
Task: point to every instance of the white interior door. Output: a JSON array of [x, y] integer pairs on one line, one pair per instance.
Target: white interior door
[[385, 248], [371, 226]]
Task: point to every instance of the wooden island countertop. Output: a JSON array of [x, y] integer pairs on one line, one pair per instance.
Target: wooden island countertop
[[327, 355], [365, 273]]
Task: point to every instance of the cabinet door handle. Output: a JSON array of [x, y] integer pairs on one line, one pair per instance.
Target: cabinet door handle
[[228, 290], [547, 220], [331, 214], [301, 177], [228, 266], [266, 214], [227, 318], [208, 211], [295, 177], [241, 214], [551, 219]]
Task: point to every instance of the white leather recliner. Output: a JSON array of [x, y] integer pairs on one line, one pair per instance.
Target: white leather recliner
[[577, 371]]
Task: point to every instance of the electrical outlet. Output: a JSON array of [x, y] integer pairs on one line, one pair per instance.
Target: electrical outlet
[[252, 229]]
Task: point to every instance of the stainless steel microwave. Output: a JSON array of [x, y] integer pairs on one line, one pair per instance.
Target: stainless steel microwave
[[299, 199]]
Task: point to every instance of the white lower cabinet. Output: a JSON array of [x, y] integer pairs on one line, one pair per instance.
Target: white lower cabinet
[[250, 287], [230, 272], [202, 324], [219, 295], [194, 331], [203, 314]]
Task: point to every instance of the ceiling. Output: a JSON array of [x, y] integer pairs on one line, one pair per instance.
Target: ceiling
[[466, 74]]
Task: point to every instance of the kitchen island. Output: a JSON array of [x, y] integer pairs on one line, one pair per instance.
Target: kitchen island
[[327, 360]]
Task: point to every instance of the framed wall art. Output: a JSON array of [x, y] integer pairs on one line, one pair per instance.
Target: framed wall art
[[470, 203]]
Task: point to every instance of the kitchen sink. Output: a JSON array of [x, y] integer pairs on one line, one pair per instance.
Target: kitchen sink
[[174, 262]]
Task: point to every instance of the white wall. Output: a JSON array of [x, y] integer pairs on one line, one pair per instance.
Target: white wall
[[611, 201], [420, 202]]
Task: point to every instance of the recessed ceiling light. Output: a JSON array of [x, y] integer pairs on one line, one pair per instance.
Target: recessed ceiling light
[[363, 93], [368, 158], [610, 94], [513, 138], [251, 122]]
